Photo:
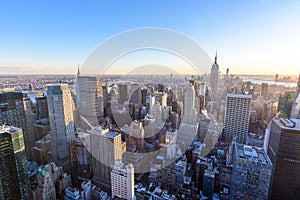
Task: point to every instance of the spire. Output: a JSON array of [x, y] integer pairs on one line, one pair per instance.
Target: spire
[[216, 57]]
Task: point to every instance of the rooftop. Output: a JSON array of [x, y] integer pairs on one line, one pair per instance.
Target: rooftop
[[252, 153], [245, 96], [288, 124], [8, 129], [111, 134]]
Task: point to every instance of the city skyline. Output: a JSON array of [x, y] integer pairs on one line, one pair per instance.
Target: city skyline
[[252, 37]]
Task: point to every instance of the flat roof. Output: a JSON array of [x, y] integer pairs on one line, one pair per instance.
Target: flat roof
[[252, 153], [245, 96], [281, 125], [8, 129], [111, 134]]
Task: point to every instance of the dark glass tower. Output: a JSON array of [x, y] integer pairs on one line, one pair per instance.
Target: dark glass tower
[[284, 153], [14, 183], [16, 111]]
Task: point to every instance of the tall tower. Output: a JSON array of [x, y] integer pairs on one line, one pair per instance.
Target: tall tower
[[17, 112], [214, 77], [136, 136], [60, 108], [189, 105], [122, 181], [41, 107], [264, 90], [90, 97], [237, 116], [30, 135], [295, 112], [14, 183], [284, 152], [106, 148]]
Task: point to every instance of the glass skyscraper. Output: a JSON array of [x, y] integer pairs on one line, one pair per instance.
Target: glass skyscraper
[[14, 183]]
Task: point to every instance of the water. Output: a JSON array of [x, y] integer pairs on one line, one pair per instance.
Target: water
[[270, 82]]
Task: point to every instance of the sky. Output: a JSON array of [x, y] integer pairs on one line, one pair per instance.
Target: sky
[[251, 36]]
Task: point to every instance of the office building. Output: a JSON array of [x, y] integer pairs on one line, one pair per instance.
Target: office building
[[106, 148], [156, 112], [122, 93], [16, 111], [60, 107], [295, 112], [237, 116], [86, 190], [90, 97], [189, 112], [251, 175], [285, 103], [136, 136], [41, 107], [209, 182], [264, 90], [45, 188], [41, 150], [122, 181], [284, 152], [30, 136], [14, 183]]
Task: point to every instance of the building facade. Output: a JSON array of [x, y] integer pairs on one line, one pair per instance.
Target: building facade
[[90, 100], [14, 183], [60, 107], [122, 181], [284, 152], [237, 116], [251, 175]]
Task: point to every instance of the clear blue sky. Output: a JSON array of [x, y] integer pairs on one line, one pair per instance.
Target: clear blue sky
[[252, 36]]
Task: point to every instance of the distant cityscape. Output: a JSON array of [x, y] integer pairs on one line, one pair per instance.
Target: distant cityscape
[[211, 136]]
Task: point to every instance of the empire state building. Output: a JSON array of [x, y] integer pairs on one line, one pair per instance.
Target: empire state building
[[214, 76]]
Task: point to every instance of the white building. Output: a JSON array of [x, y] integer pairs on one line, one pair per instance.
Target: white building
[[189, 111], [122, 181], [156, 112], [237, 116], [60, 108]]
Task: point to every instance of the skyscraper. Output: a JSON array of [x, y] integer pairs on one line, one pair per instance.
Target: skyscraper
[[90, 97], [106, 148], [284, 152], [30, 135], [45, 188], [122, 93], [264, 90], [295, 113], [237, 116], [42, 107], [136, 136], [61, 122], [122, 181], [189, 112], [14, 183], [214, 77], [251, 173], [285, 103], [17, 112]]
